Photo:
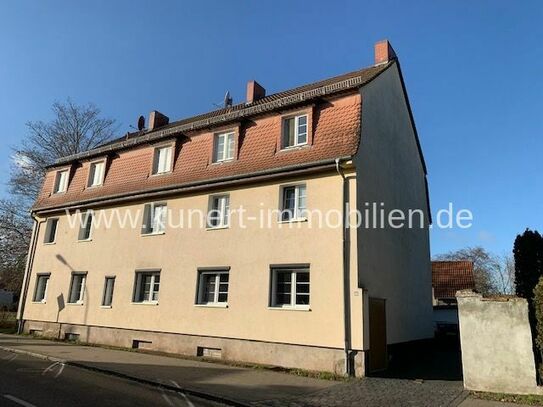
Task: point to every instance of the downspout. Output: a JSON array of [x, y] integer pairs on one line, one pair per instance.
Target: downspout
[[346, 288], [28, 268]]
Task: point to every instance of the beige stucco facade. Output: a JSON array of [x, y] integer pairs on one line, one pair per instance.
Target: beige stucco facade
[[248, 250]]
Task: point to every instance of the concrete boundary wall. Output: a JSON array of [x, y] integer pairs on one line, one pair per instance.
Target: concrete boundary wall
[[496, 341]]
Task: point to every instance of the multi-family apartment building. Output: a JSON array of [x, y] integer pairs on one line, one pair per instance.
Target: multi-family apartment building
[[263, 279]]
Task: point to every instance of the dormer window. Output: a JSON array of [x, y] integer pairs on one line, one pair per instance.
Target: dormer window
[[224, 145], [162, 161], [61, 181], [294, 131], [96, 173]]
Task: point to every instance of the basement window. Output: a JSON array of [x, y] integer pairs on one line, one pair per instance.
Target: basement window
[[214, 353], [50, 230]]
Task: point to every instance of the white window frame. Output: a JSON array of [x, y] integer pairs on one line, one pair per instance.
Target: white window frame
[[167, 165], [94, 181], [200, 298], [297, 133], [151, 225], [294, 272], [297, 214], [222, 212], [48, 231], [61, 184], [39, 276], [138, 287], [228, 148], [105, 292], [85, 218], [80, 300]]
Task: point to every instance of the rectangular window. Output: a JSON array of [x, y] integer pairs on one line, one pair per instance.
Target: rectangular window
[[224, 147], [77, 288], [146, 286], [219, 211], [212, 287], [294, 131], [42, 281], [107, 298], [85, 228], [96, 173], [154, 218], [162, 162], [51, 230], [293, 203], [61, 181], [290, 287]]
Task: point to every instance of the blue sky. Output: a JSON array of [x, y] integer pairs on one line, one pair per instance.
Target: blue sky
[[473, 70]]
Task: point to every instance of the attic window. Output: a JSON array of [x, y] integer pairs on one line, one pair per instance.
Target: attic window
[[294, 131], [224, 145], [162, 160], [96, 173], [61, 181]]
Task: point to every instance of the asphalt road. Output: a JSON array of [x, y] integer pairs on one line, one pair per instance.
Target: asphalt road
[[31, 382]]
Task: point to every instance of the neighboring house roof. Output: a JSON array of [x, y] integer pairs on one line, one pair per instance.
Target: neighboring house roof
[[450, 276], [336, 134]]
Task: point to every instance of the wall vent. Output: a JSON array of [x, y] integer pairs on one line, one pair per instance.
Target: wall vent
[[71, 337], [214, 353], [139, 344]]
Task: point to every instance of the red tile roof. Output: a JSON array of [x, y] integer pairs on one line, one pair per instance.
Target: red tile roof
[[336, 132], [450, 276]]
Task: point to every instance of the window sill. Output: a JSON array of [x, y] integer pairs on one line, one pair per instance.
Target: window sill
[[296, 147], [105, 306], [158, 174], [49, 243], [94, 186], [39, 302], [297, 308], [295, 220], [84, 240], [213, 305], [153, 234], [218, 228], [145, 303], [223, 161], [75, 303]]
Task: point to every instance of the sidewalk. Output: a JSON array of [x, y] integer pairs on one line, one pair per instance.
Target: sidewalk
[[243, 386]]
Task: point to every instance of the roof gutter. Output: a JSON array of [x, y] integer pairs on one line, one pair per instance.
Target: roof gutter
[[265, 175]]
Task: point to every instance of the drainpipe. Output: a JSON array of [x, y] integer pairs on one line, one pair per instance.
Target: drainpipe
[[28, 268], [346, 288]]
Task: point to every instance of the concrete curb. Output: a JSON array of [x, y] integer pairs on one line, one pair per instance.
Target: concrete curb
[[196, 393]]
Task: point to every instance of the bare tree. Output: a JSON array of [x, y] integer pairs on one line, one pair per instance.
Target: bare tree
[[73, 129], [505, 275], [485, 266]]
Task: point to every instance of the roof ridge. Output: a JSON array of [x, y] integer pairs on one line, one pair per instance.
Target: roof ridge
[[271, 102]]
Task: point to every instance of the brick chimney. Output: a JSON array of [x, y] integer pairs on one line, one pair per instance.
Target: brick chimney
[[384, 52], [157, 119], [254, 91]]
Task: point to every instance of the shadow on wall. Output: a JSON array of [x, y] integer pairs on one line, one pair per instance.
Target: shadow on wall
[[431, 359]]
